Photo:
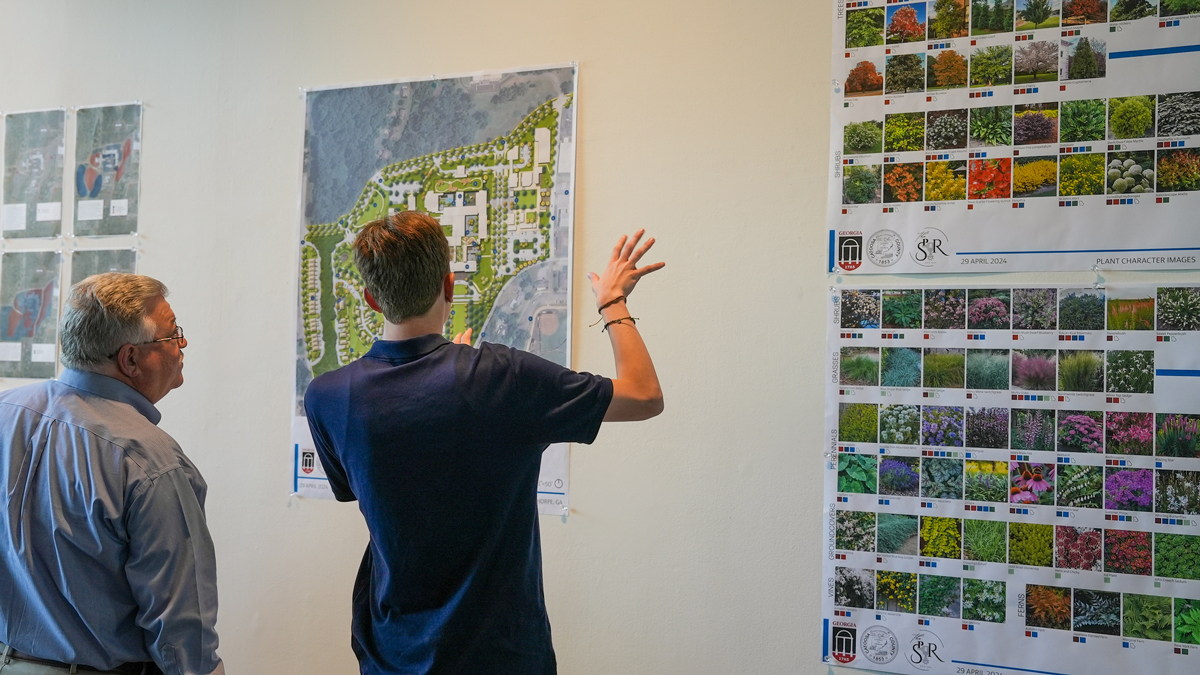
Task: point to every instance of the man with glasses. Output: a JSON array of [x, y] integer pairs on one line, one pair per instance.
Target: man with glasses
[[106, 563]]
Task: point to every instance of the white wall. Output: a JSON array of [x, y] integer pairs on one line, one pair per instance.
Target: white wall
[[693, 542]]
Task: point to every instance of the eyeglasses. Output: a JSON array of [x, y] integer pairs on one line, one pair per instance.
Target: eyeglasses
[[176, 335]]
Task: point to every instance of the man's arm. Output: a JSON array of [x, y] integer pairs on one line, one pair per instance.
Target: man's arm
[[636, 391]]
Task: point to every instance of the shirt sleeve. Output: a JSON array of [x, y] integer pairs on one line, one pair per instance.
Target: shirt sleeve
[[558, 404], [172, 570], [339, 483]]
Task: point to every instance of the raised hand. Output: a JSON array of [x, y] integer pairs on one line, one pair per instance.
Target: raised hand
[[622, 273]]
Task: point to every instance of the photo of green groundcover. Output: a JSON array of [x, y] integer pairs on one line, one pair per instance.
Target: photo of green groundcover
[[1177, 556], [897, 534], [1130, 309], [860, 138], [1036, 177], [944, 368], [1031, 544], [1081, 309], [860, 366], [946, 69], [1178, 170], [1179, 308], [901, 367], [984, 600], [862, 184], [901, 308], [1080, 370], [1129, 372], [858, 423]]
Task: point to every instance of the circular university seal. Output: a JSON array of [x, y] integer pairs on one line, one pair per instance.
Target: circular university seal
[[884, 248], [879, 645]]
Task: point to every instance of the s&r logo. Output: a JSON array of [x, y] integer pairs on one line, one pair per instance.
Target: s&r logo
[[929, 246], [924, 648]]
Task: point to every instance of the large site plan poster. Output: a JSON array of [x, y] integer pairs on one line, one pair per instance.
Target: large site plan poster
[[1004, 135], [490, 156], [1013, 480]]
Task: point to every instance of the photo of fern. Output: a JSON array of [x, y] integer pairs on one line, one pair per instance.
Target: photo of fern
[[985, 540], [1034, 369], [1081, 486], [987, 369], [897, 534], [860, 366], [1097, 612], [1080, 370], [1148, 617], [1047, 607], [1130, 310], [944, 368], [1187, 621], [901, 367], [1179, 308], [1081, 309], [901, 308]]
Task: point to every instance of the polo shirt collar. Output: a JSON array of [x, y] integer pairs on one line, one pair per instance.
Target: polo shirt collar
[[107, 387], [404, 350]]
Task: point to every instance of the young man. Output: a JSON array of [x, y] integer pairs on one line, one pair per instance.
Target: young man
[[441, 445]]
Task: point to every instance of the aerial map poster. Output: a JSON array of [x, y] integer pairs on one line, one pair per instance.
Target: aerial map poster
[[29, 313], [86, 263], [1014, 135], [1012, 479], [491, 156], [108, 148], [33, 172]]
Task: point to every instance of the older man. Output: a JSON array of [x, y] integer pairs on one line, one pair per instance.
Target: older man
[[106, 564]]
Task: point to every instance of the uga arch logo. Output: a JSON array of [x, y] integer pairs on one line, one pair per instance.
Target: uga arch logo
[[849, 250]]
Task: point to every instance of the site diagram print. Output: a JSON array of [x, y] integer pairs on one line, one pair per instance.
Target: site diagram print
[[29, 313], [108, 143], [33, 171]]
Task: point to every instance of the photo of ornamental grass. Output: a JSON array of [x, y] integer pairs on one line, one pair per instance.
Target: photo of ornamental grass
[[945, 308], [987, 368], [1032, 483], [1080, 370], [1129, 372], [1129, 433], [1034, 369], [901, 367], [1034, 308], [1177, 435], [1130, 311], [1128, 489], [1080, 431], [859, 366], [944, 368], [1032, 429], [988, 309], [987, 427], [985, 540]]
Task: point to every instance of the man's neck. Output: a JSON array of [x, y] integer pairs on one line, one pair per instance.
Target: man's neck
[[412, 327]]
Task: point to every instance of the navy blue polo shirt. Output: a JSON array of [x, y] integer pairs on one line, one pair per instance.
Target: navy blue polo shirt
[[441, 445]]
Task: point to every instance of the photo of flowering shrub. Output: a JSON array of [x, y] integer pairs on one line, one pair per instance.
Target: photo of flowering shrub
[[900, 476], [1097, 612], [1130, 117], [1177, 492], [858, 422], [987, 427], [901, 367], [1129, 433], [1080, 370], [860, 366], [1148, 617], [944, 368], [1047, 607], [854, 587], [1178, 170], [941, 537], [860, 308], [1034, 369], [1031, 544], [1130, 310], [902, 309], [1177, 435], [1127, 552], [988, 309], [856, 473], [896, 592], [1128, 489], [1130, 172], [862, 185], [903, 182], [855, 530], [941, 478], [989, 178], [861, 138], [1078, 548], [897, 534], [984, 600], [1036, 123], [1179, 308], [946, 130], [1081, 487], [1032, 429], [1129, 372], [1080, 431], [945, 181], [900, 424], [904, 132], [1178, 113], [1187, 621], [940, 596], [1081, 309], [987, 368], [942, 426], [946, 308], [1035, 177], [1032, 483], [986, 481], [1034, 308], [1177, 556], [1080, 175]]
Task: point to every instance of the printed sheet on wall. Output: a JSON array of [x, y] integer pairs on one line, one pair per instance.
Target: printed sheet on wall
[[1014, 135], [491, 157], [1012, 479]]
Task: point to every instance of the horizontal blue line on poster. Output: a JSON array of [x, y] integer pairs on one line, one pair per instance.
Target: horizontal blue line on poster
[[1154, 52], [303, 477], [992, 665], [1082, 250], [1165, 372], [551, 493]]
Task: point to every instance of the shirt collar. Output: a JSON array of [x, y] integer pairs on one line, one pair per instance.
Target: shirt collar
[[405, 350], [107, 387]]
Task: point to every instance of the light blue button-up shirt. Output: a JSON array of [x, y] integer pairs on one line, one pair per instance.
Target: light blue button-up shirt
[[105, 555]]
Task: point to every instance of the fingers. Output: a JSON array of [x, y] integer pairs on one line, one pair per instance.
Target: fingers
[[463, 338], [617, 250], [647, 269], [637, 255], [627, 250]]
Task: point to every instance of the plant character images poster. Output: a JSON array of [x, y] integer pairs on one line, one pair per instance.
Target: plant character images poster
[[491, 157], [29, 314], [33, 169], [108, 142], [1012, 479], [1002, 135]]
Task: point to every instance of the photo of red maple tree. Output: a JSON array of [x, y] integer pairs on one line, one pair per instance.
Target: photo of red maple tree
[[1079, 12], [864, 79], [905, 23]]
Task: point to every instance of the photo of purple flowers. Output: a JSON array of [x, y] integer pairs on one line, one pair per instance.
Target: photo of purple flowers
[[900, 476], [1129, 433], [1034, 308], [987, 427], [988, 309], [1080, 431], [1034, 369], [942, 426], [1032, 429], [1128, 489], [945, 308], [1032, 483]]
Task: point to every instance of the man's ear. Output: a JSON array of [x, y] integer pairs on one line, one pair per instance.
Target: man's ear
[[371, 301], [448, 287], [126, 360]]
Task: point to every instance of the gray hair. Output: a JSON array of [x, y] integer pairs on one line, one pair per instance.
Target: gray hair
[[104, 312]]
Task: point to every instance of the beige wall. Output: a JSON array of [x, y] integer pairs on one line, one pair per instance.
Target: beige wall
[[693, 543]]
